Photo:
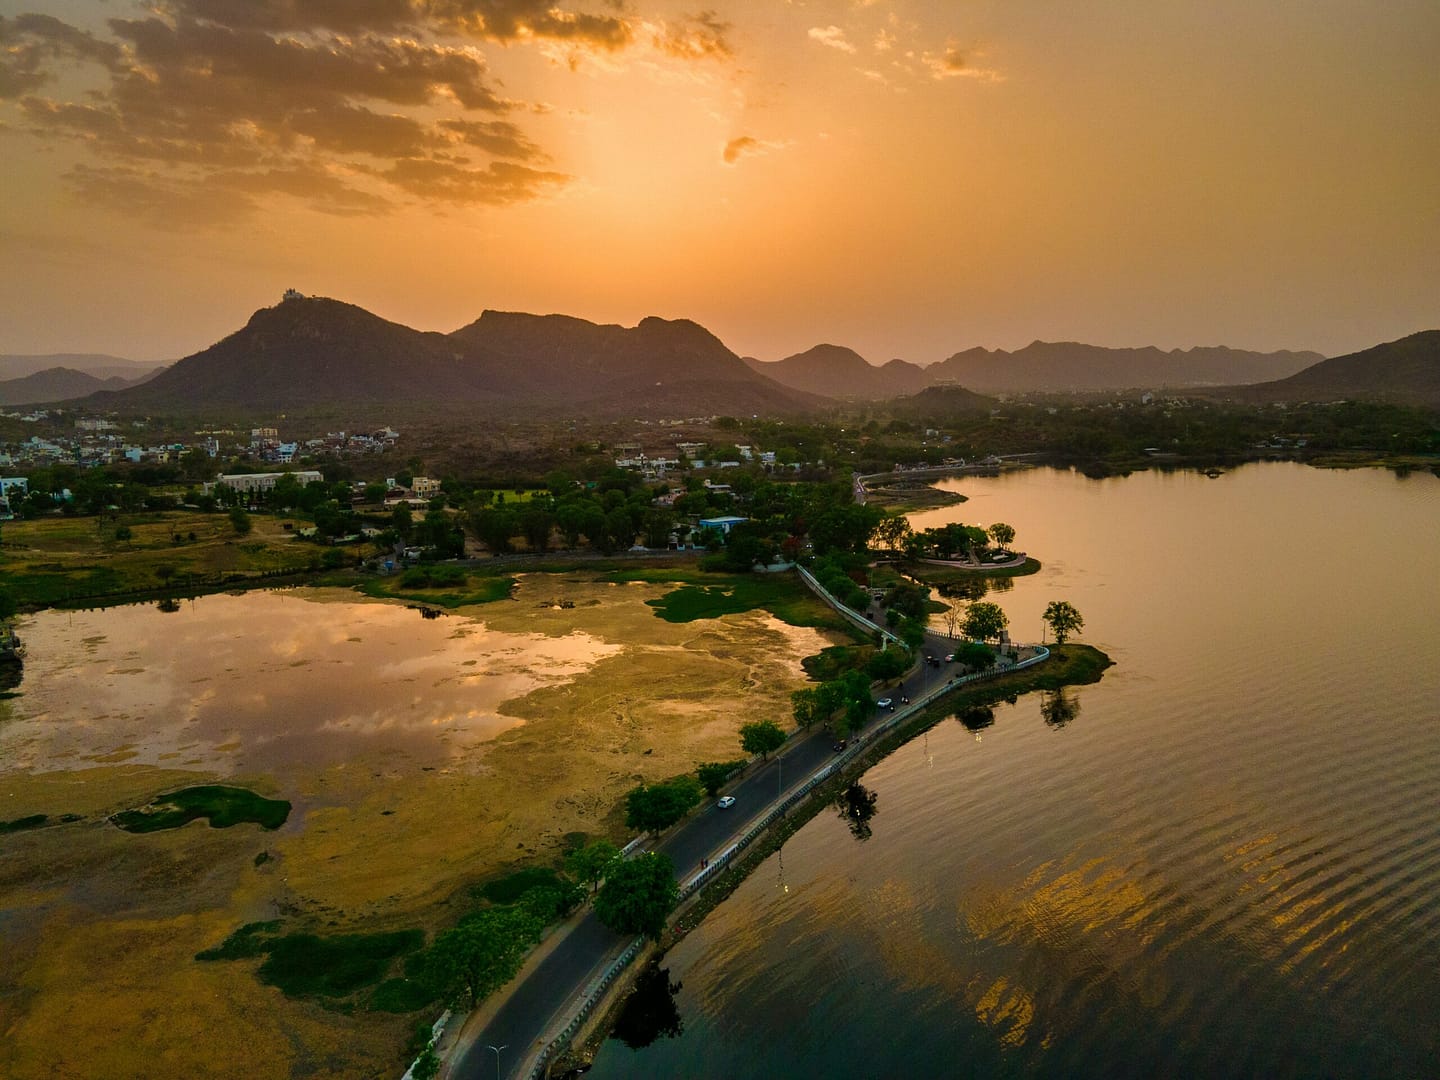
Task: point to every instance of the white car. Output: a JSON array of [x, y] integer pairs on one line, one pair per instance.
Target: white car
[[884, 703], [726, 802]]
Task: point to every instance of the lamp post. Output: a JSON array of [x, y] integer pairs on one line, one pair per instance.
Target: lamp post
[[497, 1050]]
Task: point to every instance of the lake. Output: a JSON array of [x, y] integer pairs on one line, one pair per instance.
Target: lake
[[1223, 859]]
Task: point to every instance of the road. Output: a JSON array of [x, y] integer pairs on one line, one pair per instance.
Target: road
[[532, 1005]]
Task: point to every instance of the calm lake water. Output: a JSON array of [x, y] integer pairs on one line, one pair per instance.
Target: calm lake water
[[1222, 860]]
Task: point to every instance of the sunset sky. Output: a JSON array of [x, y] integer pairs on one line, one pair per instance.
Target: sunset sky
[[906, 178]]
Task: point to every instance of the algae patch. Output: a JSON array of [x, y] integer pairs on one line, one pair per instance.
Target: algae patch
[[223, 806]]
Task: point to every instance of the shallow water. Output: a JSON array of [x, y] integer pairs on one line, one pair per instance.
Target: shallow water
[[1224, 859], [265, 681]]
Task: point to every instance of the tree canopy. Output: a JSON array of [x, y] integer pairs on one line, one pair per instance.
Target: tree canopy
[[482, 954], [653, 808], [589, 864], [984, 620], [639, 895], [761, 737], [1063, 619]]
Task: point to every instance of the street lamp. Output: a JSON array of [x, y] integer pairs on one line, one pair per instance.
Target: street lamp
[[497, 1050]]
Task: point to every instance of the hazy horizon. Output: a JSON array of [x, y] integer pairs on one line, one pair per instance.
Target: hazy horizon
[[906, 179]]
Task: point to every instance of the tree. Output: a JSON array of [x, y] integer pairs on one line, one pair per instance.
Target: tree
[[805, 707], [402, 520], [240, 521], [975, 655], [889, 663], [952, 620], [164, 572], [892, 532], [482, 954], [984, 620], [761, 737], [1064, 620], [427, 1065], [653, 808], [639, 895], [713, 775], [1002, 534], [589, 864]]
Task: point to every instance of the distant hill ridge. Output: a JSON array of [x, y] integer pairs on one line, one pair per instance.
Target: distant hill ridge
[[313, 351], [59, 384], [100, 365], [1071, 365]]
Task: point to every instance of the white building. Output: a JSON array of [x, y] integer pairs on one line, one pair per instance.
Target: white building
[[263, 481]]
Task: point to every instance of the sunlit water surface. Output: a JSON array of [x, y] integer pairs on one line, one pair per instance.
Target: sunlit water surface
[[262, 682], [1226, 862]]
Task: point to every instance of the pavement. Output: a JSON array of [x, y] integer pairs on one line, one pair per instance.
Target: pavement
[[554, 977]]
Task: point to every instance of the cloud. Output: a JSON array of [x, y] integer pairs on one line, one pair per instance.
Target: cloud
[[696, 37], [498, 183], [832, 36], [347, 105], [748, 146], [30, 45], [954, 62]]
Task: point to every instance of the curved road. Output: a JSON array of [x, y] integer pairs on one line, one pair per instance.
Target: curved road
[[533, 1005]]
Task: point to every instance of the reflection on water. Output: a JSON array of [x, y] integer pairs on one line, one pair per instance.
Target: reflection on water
[[261, 680], [1227, 865], [856, 805], [650, 1012], [1059, 707]]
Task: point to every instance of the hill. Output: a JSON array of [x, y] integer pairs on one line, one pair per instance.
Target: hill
[[659, 368], [315, 353], [57, 384], [1405, 372], [1072, 366], [938, 402], [837, 372], [100, 365], [308, 351]]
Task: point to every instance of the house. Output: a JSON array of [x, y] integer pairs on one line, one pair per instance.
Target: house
[[425, 487], [723, 524]]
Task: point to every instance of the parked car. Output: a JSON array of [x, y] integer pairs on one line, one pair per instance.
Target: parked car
[[726, 802]]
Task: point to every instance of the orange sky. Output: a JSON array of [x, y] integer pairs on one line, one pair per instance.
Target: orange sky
[[906, 178]]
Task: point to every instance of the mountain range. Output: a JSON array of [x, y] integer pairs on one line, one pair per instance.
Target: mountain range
[[312, 352], [316, 353], [1059, 366]]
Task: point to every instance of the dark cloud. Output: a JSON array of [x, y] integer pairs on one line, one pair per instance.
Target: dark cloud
[[348, 105], [31, 45], [511, 20], [499, 138], [494, 20]]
